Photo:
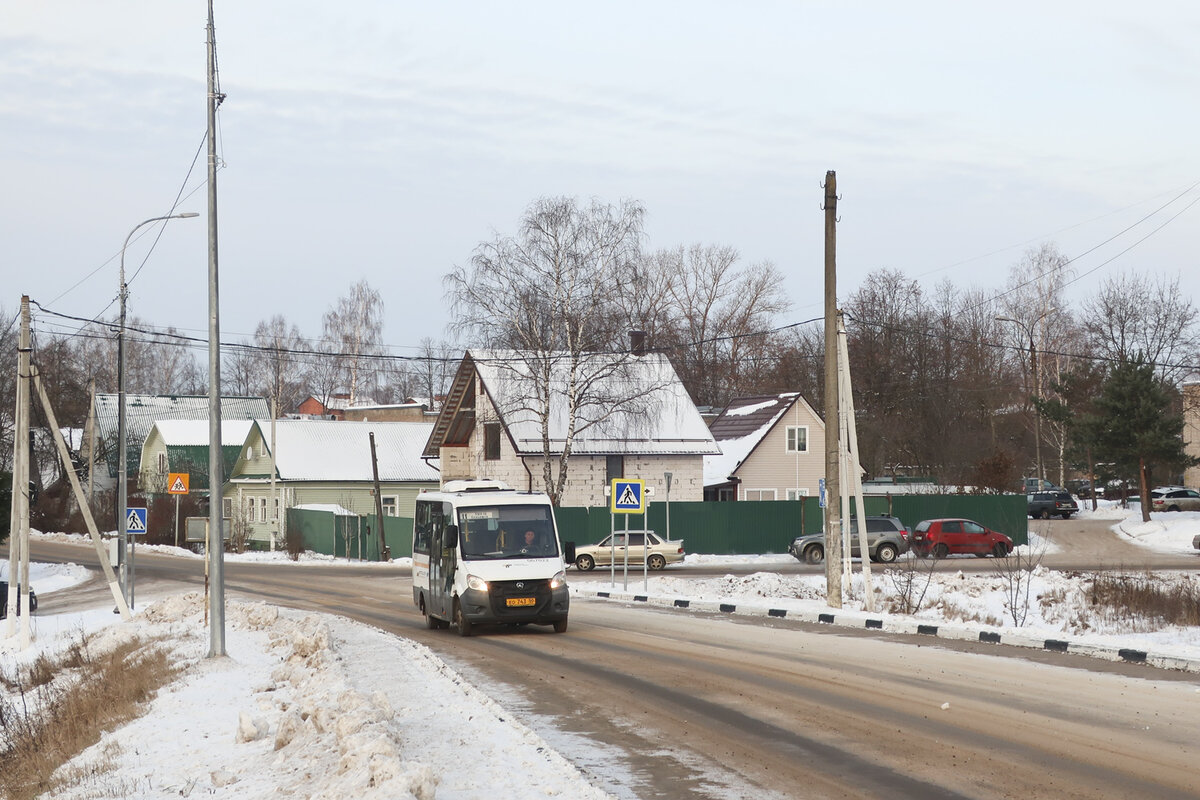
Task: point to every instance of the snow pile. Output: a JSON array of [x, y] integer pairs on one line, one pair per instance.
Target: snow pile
[[305, 705]]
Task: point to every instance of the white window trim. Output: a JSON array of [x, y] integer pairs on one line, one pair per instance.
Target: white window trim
[[774, 494], [392, 510], [796, 494], [787, 439]]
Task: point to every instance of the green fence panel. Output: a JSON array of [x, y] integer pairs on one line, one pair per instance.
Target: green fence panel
[[330, 534], [755, 527]]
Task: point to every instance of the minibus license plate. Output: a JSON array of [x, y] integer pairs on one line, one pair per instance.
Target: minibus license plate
[[521, 601]]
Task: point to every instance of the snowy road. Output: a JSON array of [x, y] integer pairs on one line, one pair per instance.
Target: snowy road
[[656, 704]]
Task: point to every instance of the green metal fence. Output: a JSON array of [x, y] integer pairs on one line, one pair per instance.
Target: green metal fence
[[769, 526], [350, 536]]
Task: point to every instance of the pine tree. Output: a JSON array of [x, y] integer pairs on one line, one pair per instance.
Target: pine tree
[[1135, 429]]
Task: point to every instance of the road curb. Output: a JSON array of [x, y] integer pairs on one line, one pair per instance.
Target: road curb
[[908, 626]]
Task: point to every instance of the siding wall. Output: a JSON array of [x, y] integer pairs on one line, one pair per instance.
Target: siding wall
[[770, 466]]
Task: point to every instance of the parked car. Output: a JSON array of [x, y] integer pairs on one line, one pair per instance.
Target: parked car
[[941, 537], [658, 551], [887, 538], [4, 599], [1031, 485], [1175, 498], [1052, 504], [1196, 541], [1082, 488]]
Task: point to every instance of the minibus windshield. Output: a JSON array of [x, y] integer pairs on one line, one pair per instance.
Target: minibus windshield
[[506, 531]]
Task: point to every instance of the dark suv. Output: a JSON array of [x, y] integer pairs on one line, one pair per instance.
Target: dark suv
[[886, 538], [1052, 504], [4, 599]]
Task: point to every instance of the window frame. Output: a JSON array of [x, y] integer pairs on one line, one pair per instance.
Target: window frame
[[491, 441], [790, 444]]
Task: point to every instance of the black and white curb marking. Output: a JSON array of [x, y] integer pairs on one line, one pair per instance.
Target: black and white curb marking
[[1014, 638]]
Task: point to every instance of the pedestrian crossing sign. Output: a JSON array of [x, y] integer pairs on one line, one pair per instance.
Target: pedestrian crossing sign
[[135, 520], [177, 482], [628, 497]]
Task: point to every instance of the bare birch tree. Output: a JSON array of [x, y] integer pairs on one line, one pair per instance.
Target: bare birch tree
[[354, 327], [547, 296]]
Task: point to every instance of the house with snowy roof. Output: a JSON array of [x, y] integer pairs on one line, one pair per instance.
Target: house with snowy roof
[[491, 425], [772, 448], [181, 446], [326, 462], [143, 410]]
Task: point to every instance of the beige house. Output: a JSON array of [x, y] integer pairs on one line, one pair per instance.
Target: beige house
[[325, 463], [772, 448], [1191, 429], [489, 428]]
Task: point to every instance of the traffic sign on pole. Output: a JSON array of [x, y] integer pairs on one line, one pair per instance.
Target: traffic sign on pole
[[177, 482], [628, 496], [135, 521]]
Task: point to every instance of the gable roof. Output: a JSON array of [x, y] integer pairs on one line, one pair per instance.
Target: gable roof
[[661, 420], [332, 450], [740, 428], [143, 410], [194, 432]]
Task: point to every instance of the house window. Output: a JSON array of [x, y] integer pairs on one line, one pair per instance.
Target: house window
[[797, 494], [614, 468], [162, 463], [227, 507], [760, 494], [262, 509], [491, 441], [391, 506], [276, 512], [726, 494], [797, 439]]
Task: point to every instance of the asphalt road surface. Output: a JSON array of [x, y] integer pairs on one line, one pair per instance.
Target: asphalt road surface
[[660, 704]]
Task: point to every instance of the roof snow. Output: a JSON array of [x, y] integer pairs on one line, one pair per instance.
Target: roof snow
[[335, 450]]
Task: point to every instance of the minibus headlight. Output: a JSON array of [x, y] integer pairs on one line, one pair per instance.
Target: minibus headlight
[[558, 580], [476, 583]]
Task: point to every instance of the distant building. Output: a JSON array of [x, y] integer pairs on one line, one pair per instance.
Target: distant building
[[143, 410], [1191, 429], [488, 428], [181, 446]]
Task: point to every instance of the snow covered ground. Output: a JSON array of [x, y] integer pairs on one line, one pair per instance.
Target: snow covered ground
[[318, 706]]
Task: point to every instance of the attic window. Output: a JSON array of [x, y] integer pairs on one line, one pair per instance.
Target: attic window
[[797, 439], [491, 441]]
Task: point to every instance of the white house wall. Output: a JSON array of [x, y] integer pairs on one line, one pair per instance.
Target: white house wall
[[585, 475]]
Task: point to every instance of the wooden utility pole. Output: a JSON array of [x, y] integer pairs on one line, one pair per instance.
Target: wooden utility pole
[[18, 540], [385, 552], [833, 522]]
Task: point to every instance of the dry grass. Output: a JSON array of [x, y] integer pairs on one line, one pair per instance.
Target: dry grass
[[1146, 598], [61, 705]]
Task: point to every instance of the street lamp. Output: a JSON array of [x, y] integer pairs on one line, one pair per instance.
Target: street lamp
[[122, 448], [1037, 386]]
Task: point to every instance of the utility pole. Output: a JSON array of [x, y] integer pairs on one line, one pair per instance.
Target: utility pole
[[385, 552], [833, 489], [18, 547], [216, 478]]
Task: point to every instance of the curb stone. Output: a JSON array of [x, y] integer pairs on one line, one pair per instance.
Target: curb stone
[[867, 621]]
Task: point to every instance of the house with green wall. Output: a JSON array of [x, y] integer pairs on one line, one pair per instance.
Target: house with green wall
[[181, 446], [324, 462]]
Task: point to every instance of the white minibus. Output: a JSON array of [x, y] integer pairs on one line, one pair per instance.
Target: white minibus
[[484, 554]]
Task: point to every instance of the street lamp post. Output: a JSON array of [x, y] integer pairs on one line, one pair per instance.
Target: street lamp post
[[122, 448], [1037, 386]]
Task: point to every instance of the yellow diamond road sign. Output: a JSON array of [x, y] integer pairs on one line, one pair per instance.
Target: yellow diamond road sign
[[177, 483]]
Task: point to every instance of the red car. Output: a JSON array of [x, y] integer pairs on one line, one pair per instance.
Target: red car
[[941, 537]]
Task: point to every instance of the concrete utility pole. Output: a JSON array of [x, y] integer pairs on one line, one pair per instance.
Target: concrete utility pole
[[833, 521], [18, 539], [216, 478], [385, 552]]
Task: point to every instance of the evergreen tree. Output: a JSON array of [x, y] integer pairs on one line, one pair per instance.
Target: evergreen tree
[[1135, 429]]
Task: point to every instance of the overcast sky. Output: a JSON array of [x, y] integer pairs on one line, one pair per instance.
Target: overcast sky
[[384, 140]]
